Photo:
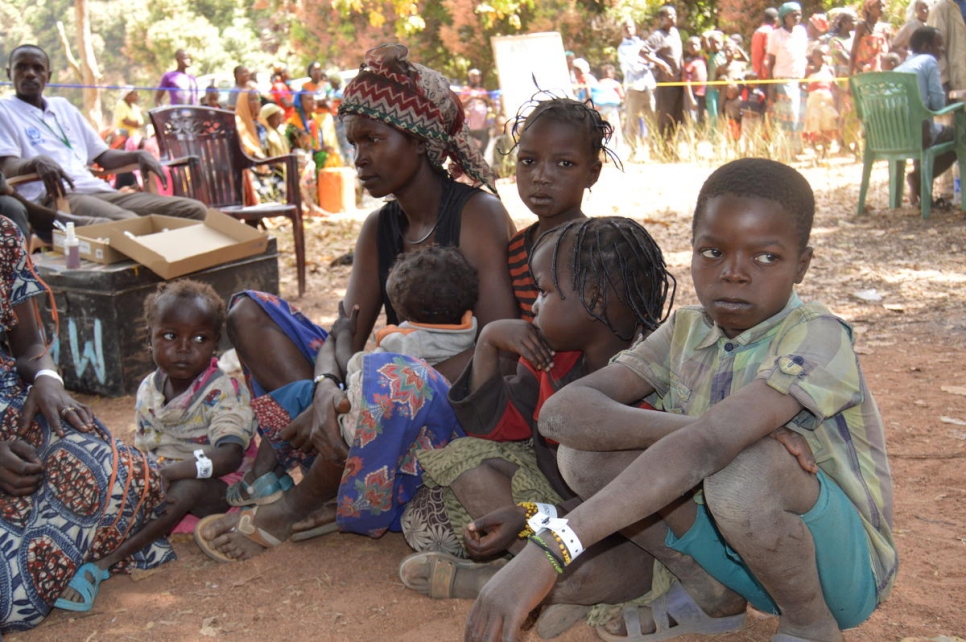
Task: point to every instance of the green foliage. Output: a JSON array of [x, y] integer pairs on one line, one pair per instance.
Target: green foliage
[[134, 42]]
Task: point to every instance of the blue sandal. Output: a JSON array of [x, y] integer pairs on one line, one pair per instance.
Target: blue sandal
[[264, 490], [86, 588]]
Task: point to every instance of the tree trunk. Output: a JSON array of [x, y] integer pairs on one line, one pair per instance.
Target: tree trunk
[[85, 69], [90, 73]]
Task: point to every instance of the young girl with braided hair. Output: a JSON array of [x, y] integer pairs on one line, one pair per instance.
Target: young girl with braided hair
[[559, 145], [602, 284]]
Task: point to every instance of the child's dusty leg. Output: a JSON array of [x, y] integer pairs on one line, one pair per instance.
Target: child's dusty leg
[[265, 462], [483, 489], [486, 488], [182, 496], [614, 570], [588, 472], [756, 502], [480, 490]]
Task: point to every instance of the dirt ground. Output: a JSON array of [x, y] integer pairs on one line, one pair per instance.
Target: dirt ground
[[897, 278]]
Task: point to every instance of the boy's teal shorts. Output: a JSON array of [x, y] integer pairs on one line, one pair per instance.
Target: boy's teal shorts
[[841, 551]]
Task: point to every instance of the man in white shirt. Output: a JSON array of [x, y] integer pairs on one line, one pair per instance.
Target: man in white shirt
[[49, 137]]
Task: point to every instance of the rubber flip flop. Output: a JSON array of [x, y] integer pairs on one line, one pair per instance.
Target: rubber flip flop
[[266, 489], [678, 605], [439, 582], [86, 588], [205, 545]]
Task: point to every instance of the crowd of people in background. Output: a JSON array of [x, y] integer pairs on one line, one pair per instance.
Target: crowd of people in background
[[782, 89], [288, 116], [785, 88]]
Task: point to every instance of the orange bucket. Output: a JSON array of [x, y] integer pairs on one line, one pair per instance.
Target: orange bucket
[[337, 189]]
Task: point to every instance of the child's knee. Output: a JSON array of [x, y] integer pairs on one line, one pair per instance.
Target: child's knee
[[761, 479], [587, 472]]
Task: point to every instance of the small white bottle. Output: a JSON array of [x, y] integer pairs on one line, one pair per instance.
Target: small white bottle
[[72, 248]]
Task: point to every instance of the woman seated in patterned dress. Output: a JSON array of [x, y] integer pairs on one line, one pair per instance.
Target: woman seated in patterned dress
[[405, 124], [71, 495]]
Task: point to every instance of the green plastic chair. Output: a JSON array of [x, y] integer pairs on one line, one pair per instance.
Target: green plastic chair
[[892, 113]]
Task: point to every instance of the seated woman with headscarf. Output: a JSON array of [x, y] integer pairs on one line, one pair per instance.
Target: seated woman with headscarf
[[411, 143]]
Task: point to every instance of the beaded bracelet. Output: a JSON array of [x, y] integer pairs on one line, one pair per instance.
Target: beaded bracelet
[[552, 538], [555, 561], [531, 509]]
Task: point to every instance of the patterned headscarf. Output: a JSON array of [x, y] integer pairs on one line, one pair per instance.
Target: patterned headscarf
[[418, 101]]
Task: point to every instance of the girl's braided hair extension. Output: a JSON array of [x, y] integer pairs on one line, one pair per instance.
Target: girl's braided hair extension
[[582, 115], [618, 254]]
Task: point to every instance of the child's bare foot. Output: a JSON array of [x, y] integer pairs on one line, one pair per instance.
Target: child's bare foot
[[243, 535], [442, 576], [674, 611]]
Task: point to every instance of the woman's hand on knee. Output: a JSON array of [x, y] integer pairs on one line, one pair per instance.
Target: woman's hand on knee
[[48, 397], [299, 432], [326, 433]]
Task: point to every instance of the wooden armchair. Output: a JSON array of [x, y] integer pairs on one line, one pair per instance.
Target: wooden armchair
[[202, 148]]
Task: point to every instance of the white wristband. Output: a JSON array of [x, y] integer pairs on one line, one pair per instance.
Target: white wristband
[[203, 465], [560, 527], [546, 509], [47, 372]]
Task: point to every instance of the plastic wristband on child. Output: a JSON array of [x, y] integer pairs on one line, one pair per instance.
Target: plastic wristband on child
[[47, 372], [533, 508], [203, 465], [557, 535]]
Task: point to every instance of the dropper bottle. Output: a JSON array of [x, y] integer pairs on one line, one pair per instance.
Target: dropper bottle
[[72, 248]]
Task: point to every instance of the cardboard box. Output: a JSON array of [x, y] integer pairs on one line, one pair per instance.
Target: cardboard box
[[100, 345], [172, 247], [94, 243]]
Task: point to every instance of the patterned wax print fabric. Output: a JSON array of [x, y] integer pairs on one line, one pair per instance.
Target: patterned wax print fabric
[[405, 411], [96, 492]]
